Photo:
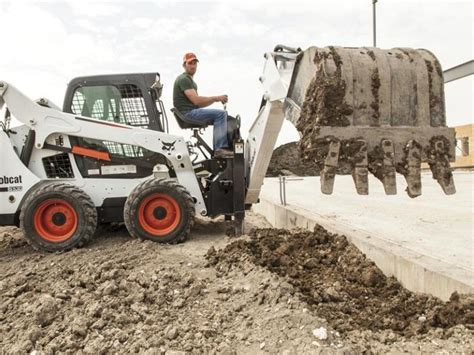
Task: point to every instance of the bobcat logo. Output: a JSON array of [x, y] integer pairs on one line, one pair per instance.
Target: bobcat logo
[[168, 146], [11, 180]]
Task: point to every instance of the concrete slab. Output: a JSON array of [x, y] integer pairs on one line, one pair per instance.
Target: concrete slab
[[427, 243]]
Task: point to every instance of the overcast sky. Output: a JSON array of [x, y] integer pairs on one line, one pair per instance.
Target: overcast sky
[[45, 44]]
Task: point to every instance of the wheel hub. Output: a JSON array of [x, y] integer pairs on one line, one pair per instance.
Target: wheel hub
[[160, 213], [55, 220], [59, 219]]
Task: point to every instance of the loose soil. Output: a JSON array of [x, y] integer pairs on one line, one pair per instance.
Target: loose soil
[[273, 291], [342, 285], [287, 160]]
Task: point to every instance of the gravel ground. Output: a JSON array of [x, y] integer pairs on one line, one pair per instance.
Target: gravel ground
[[270, 292]]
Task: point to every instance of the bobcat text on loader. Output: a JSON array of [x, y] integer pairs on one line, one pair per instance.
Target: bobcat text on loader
[[107, 155]]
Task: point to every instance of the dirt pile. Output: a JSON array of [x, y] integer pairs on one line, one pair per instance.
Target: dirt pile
[[268, 293], [113, 307], [340, 284], [287, 160], [123, 295]]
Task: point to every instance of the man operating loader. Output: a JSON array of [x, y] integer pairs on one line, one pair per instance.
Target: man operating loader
[[188, 102]]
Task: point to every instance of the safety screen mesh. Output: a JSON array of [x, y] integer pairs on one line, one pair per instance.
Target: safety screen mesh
[[127, 150], [118, 103], [133, 106], [58, 166], [98, 110], [78, 103], [122, 104]]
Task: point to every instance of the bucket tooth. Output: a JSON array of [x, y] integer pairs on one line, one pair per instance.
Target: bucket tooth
[[389, 173], [360, 173], [328, 174], [445, 178], [441, 168], [413, 173]]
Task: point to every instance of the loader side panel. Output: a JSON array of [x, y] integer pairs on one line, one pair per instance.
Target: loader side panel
[[15, 181]]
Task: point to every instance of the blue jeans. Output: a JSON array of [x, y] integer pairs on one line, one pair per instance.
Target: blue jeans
[[218, 118]]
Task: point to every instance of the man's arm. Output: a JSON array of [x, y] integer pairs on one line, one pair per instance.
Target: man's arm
[[203, 101]]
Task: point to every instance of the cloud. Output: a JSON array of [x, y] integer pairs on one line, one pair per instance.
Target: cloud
[[52, 42], [95, 9]]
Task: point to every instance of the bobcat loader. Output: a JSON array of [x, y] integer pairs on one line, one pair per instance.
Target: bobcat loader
[[107, 155]]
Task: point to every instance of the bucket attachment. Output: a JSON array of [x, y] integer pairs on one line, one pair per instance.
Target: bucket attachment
[[362, 110]]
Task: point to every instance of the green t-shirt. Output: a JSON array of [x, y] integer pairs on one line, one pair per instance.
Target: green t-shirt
[[180, 100]]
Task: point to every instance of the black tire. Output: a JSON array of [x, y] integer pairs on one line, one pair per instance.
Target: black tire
[[72, 210], [160, 210]]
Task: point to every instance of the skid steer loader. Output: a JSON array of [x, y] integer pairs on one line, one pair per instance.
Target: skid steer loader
[[107, 155]]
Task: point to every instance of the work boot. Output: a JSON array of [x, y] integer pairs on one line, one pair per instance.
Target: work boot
[[223, 153]]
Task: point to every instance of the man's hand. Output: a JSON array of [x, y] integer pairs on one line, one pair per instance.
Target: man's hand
[[222, 99]]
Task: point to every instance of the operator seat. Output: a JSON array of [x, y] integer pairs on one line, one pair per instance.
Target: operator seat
[[184, 123], [233, 125]]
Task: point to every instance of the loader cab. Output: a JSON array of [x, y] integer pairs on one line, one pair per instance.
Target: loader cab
[[130, 99]]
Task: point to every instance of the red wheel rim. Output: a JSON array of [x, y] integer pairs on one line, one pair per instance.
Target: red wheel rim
[[55, 220], [159, 214]]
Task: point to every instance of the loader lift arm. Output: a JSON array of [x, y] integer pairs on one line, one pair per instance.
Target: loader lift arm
[[263, 133]]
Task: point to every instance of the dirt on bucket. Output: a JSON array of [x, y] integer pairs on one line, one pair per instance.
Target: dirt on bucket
[[286, 160]]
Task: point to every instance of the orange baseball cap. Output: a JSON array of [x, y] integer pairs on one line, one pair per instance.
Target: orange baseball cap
[[188, 57]]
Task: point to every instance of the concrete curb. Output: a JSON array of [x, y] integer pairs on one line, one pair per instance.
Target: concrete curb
[[415, 271]]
